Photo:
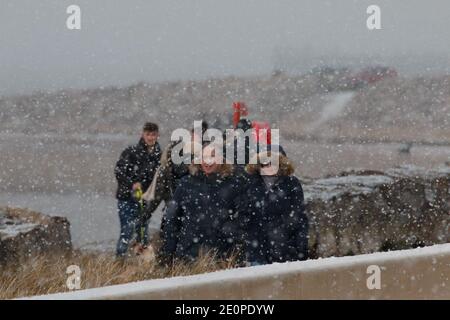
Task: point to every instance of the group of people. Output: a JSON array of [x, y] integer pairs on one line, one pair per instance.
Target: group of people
[[256, 214]]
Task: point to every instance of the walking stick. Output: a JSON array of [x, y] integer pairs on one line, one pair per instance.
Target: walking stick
[[138, 195]]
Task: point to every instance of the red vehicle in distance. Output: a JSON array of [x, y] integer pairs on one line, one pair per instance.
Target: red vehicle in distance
[[371, 75]]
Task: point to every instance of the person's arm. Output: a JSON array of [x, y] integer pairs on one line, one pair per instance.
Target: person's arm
[[156, 156], [124, 169], [171, 225], [299, 225], [242, 209]]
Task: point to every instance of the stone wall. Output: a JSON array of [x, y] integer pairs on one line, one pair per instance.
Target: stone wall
[[24, 233], [361, 212]]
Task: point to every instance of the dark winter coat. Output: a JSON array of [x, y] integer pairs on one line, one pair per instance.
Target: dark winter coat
[[201, 214], [136, 164], [273, 222]]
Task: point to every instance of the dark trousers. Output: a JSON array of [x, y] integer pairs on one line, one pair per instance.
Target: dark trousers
[[131, 223]]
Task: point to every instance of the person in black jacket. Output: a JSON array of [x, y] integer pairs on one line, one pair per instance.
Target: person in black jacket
[[135, 170], [271, 213], [201, 212]]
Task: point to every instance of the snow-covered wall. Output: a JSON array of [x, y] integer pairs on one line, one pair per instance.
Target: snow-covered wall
[[422, 273]]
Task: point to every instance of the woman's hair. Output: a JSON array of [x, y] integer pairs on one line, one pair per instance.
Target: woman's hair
[[224, 169], [286, 168]]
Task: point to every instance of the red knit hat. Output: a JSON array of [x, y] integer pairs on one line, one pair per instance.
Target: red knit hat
[[240, 110]]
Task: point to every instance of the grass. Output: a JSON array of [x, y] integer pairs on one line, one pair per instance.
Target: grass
[[46, 274]]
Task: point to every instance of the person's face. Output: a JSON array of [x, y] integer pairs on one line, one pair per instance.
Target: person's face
[[268, 169], [268, 164], [209, 164], [150, 137]]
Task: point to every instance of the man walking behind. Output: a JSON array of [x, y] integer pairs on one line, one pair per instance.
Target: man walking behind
[[134, 172]]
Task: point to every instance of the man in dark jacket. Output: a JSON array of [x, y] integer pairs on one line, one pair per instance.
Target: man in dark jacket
[[134, 171], [271, 213], [201, 213]]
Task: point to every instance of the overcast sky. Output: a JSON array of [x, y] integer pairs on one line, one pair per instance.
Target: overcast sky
[[123, 42]]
